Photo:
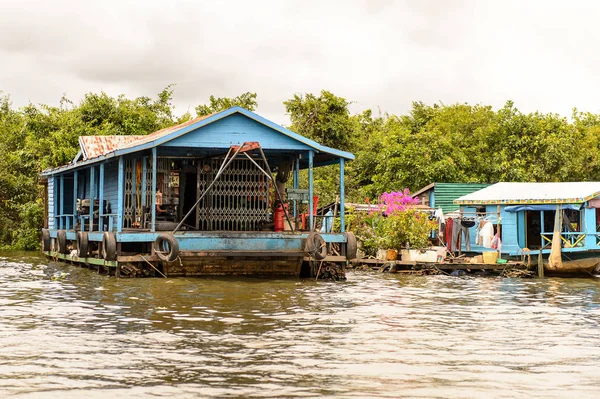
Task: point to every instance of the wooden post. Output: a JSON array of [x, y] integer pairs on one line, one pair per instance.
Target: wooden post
[[311, 191], [101, 198], [92, 195], [153, 194], [75, 188], [499, 233], [62, 201], [120, 193], [296, 183], [342, 203], [540, 265]]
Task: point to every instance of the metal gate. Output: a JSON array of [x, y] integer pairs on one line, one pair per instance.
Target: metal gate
[[238, 201]]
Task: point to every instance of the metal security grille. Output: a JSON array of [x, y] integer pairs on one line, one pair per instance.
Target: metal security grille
[[239, 199], [149, 193], [163, 168], [128, 203]]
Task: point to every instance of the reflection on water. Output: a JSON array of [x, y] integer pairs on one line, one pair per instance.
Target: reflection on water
[[69, 332]]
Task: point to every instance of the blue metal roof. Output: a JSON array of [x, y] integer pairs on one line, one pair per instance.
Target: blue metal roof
[[163, 136]]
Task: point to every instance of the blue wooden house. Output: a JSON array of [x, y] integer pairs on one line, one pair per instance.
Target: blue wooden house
[[526, 212], [207, 196]]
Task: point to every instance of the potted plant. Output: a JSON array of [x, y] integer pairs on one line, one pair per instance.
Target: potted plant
[[403, 226]]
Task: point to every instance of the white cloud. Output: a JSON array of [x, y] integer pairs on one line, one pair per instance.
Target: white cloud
[[540, 54]]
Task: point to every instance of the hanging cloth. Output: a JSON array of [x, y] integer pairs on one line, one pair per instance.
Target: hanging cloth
[[449, 226], [487, 233]]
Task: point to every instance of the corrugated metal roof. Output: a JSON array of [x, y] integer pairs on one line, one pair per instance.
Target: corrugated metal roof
[[446, 193], [323, 156], [421, 191], [533, 193], [94, 146], [165, 132]]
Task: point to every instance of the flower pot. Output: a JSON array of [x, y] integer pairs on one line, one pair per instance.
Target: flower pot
[[391, 254]]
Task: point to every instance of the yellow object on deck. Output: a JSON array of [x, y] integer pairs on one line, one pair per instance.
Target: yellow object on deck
[[490, 257]]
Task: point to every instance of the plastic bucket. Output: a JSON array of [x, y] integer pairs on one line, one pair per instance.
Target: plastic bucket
[[490, 257]]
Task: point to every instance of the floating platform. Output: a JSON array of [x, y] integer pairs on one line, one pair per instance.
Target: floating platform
[[399, 266]]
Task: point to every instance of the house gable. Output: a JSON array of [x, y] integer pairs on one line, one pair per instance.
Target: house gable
[[236, 129]]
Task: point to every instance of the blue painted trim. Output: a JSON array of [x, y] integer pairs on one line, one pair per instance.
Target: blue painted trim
[[153, 203], [296, 182], [92, 195], [55, 183], [218, 116], [75, 189], [214, 237], [120, 194], [62, 200], [342, 202], [101, 198], [311, 190]]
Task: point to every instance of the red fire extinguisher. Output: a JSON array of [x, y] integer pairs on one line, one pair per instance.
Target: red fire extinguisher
[[279, 216]]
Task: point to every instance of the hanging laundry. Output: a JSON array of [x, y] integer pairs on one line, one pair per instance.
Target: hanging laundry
[[478, 238], [456, 234], [497, 242], [466, 234], [487, 233], [448, 235], [439, 215]]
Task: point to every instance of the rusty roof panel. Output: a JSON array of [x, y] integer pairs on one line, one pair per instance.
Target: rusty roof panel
[[95, 146]]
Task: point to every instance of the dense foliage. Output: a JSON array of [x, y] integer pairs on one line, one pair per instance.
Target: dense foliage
[[431, 143], [397, 224]]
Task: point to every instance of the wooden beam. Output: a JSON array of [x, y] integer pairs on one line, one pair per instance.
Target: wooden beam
[[342, 193], [101, 198], [153, 201], [311, 191]]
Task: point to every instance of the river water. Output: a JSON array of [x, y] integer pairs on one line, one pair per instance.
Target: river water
[[68, 332]]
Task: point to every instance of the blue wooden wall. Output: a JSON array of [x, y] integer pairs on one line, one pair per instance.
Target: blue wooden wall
[[233, 130], [51, 202], [509, 228], [111, 176]]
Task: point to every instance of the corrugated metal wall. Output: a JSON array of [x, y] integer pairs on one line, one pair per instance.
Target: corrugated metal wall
[[446, 193]]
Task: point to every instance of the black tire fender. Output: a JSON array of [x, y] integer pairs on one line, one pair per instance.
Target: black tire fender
[[166, 247], [351, 246], [61, 242], [45, 240], [109, 246], [316, 246], [82, 243]]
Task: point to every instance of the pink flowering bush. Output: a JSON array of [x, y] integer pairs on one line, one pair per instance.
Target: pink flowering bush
[[398, 201], [404, 225]]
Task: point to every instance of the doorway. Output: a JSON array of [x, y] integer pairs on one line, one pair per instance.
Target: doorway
[[533, 229], [190, 197]]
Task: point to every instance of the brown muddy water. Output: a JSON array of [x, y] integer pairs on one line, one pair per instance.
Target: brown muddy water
[[67, 332]]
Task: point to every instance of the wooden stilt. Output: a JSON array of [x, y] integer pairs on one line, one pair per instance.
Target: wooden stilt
[[540, 265]]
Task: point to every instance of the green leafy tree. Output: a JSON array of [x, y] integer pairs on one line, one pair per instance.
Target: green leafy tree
[[324, 118], [216, 104]]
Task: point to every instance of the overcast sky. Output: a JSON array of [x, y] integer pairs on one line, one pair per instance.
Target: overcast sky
[[543, 55]]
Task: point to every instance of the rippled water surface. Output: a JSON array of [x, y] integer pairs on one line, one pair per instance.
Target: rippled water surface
[[69, 332]]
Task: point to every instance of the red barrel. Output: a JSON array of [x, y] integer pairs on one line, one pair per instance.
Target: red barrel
[[279, 216]]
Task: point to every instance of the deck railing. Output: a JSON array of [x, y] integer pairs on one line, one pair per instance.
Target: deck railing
[[569, 239]]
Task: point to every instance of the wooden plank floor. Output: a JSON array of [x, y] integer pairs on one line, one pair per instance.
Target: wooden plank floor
[[445, 266]]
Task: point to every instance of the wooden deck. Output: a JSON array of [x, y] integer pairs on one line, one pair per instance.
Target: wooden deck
[[398, 266]]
